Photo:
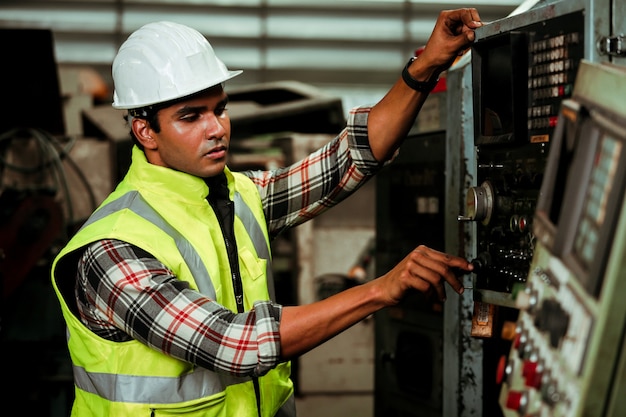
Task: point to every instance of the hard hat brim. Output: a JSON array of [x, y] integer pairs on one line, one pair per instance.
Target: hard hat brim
[[182, 94]]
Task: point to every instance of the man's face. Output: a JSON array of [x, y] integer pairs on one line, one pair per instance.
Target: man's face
[[194, 136]]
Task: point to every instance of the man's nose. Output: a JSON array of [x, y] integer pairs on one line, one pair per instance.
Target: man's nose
[[214, 128]]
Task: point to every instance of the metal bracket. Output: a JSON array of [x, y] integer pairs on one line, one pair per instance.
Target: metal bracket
[[612, 45]]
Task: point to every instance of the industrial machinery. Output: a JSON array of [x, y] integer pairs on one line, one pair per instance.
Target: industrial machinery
[[409, 337], [546, 336], [569, 354], [31, 82], [522, 76]]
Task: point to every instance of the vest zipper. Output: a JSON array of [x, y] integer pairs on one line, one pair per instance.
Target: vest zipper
[[238, 290], [223, 212], [235, 275]]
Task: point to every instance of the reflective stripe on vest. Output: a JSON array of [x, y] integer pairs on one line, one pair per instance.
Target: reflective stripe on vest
[[258, 239], [135, 202], [154, 389], [200, 382]]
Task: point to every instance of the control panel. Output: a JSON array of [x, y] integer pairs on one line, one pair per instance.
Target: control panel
[[521, 76], [567, 357]]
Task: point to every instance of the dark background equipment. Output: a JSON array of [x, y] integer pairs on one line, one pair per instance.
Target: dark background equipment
[[31, 95], [410, 200]]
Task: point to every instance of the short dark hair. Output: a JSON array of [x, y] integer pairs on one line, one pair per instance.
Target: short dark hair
[[149, 114]]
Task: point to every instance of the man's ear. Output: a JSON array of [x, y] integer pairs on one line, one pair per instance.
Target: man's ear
[[143, 132]]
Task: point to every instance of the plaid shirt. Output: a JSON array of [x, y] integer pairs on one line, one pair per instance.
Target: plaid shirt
[[124, 293]]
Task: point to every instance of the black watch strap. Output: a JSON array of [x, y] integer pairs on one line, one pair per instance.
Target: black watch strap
[[421, 86]]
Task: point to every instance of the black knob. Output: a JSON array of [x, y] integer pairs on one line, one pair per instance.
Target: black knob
[[481, 262], [553, 319]]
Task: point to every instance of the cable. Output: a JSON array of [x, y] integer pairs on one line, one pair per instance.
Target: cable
[[51, 154]]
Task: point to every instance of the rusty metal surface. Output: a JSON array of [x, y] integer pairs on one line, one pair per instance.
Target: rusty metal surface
[[463, 354]]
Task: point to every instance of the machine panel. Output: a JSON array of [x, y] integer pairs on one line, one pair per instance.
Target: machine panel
[[570, 332], [522, 76], [537, 301]]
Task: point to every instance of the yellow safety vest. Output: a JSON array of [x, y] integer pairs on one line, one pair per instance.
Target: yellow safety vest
[[165, 212]]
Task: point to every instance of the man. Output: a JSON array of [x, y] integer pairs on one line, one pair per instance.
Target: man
[[166, 289]]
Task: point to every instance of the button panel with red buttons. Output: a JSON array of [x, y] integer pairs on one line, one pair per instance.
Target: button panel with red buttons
[[542, 375]]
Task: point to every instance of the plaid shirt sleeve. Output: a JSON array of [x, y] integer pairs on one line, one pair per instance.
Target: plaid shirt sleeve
[[299, 192], [124, 293]]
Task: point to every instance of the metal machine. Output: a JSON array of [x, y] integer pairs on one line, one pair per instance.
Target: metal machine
[[531, 310], [569, 353], [409, 336]]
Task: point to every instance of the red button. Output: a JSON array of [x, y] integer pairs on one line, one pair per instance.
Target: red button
[[533, 376], [528, 368], [522, 224], [553, 120], [514, 400], [501, 370]]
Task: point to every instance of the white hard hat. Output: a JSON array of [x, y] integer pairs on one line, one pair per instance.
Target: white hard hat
[[163, 61]]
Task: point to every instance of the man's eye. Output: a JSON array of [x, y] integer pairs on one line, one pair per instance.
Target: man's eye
[[190, 117], [220, 110]]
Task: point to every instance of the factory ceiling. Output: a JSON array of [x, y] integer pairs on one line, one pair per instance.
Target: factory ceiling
[[323, 42]]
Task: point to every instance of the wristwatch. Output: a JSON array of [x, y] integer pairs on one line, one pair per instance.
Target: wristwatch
[[421, 86]]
